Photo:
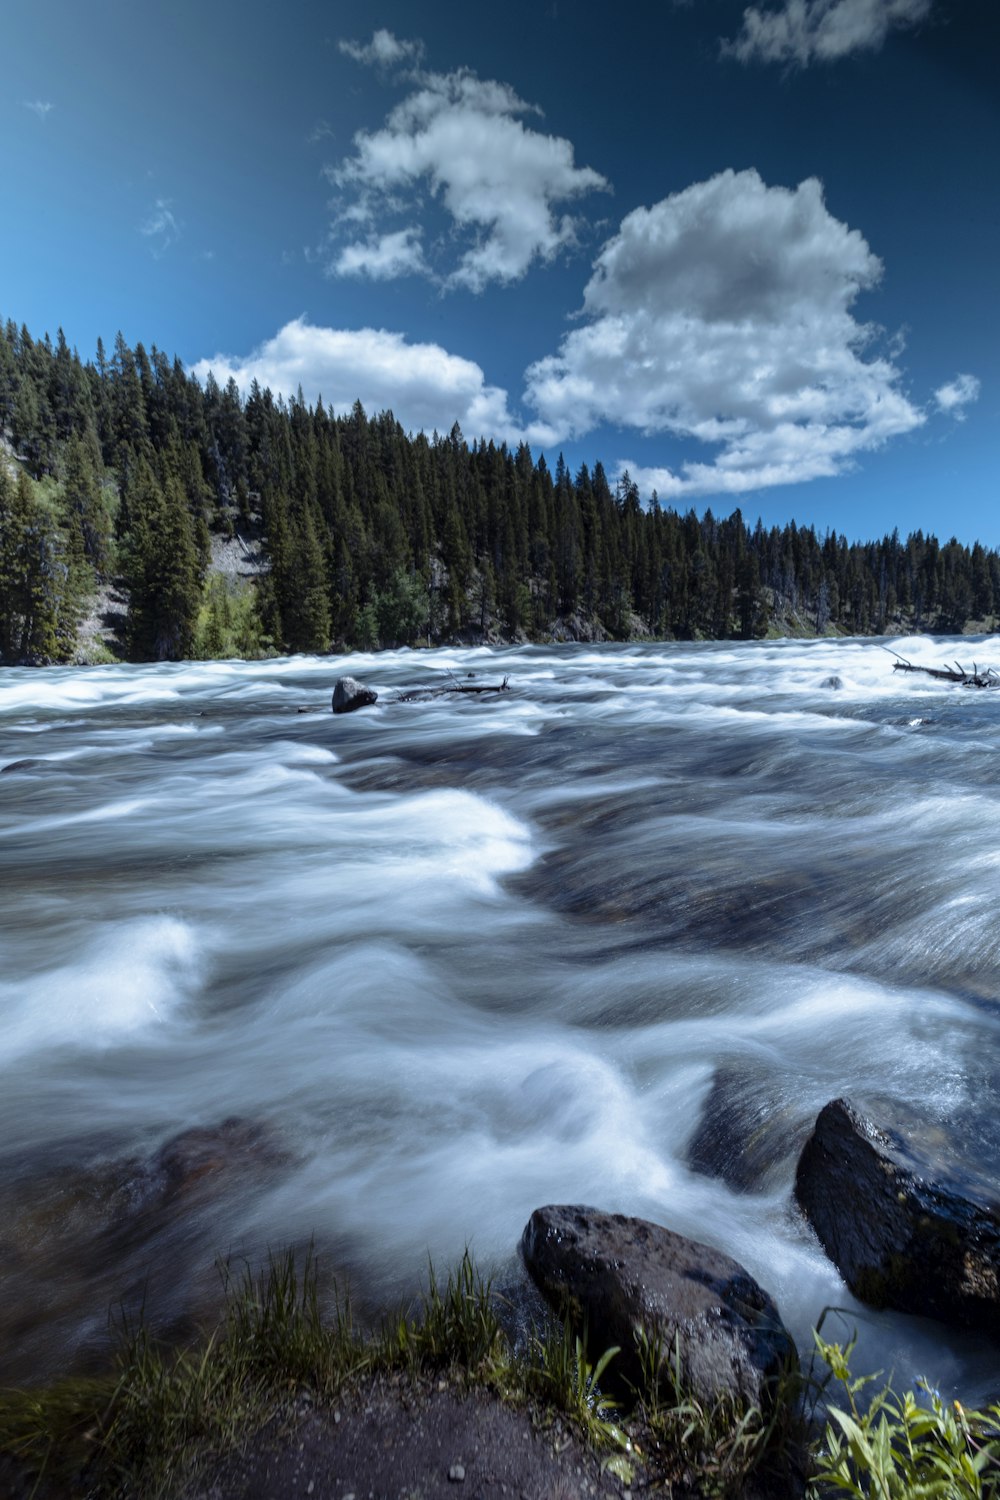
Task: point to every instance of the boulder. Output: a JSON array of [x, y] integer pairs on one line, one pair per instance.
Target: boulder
[[349, 694], [751, 1129], [904, 1229], [701, 1309]]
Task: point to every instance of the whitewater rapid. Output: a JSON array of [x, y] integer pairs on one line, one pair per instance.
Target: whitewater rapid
[[462, 957]]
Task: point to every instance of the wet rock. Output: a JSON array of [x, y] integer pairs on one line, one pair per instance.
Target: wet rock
[[15, 767], [211, 1152], [749, 1132], [350, 694], [618, 1274], [904, 1229], [833, 682], [109, 1230]]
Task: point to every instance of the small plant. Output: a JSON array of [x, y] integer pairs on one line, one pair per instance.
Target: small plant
[[716, 1444], [276, 1331], [458, 1326], [559, 1372], [899, 1448]]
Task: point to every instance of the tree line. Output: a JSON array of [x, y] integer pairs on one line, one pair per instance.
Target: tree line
[[127, 466]]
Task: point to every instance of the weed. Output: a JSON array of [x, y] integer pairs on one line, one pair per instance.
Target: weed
[[558, 1372], [899, 1448], [721, 1442]]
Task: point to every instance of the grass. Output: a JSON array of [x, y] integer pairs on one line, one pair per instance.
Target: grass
[[159, 1414]]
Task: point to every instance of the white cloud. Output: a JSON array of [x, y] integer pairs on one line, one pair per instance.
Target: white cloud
[[384, 50], [460, 137], [161, 226], [723, 314], [39, 107], [422, 384], [804, 31], [382, 257], [957, 394]]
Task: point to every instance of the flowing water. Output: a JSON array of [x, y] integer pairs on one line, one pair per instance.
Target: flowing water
[[613, 937]]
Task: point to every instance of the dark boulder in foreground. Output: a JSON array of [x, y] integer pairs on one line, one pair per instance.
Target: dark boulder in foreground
[[703, 1309], [349, 694], [901, 1233]]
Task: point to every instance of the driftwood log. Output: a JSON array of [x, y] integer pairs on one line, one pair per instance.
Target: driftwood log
[[420, 695], [984, 677]]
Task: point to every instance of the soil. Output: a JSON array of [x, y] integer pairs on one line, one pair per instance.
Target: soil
[[394, 1438], [400, 1439]]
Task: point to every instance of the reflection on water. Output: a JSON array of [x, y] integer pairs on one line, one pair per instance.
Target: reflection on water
[[454, 959]]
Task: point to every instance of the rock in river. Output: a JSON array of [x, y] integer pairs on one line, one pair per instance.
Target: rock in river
[[618, 1275], [349, 694], [752, 1128], [905, 1231]]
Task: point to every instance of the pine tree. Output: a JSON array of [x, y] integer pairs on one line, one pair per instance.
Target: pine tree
[[161, 569], [84, 506], [32, 575]]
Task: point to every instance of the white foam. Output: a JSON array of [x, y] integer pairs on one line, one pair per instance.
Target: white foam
[[131, 978]]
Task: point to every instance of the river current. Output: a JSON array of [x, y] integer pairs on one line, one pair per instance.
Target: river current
[[612, 937]]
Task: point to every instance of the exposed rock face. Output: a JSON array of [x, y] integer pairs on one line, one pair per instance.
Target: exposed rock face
[[577, 627], [618, 1274], [349, 694], [899, 1237]]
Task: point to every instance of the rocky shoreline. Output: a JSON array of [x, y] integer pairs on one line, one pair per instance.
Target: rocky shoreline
[[687, 1329]]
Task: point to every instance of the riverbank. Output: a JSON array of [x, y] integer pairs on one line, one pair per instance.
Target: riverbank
[[279, 1401], [281, 1398]]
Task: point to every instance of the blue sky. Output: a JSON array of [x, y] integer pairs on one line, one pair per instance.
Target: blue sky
[[751, 253]]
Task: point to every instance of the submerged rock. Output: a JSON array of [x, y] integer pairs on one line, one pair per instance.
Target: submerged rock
[[15, 767], [702, 1311], [751, 1129], [350, 694], [106, 1231], [833, 682], [901, 1230]]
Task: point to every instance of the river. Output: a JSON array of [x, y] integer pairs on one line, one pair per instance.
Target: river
[[447, 961]]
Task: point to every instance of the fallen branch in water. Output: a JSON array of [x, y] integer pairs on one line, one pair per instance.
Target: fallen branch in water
[[421, 695], [987, 678], [349, 694]]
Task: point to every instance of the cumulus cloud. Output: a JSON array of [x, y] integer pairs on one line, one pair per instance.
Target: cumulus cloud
[[161, 226], [422, 384], [804, 31], [461, 138], [39, 107], [956, 395], [384, 50], [723, 314], [382, 256]]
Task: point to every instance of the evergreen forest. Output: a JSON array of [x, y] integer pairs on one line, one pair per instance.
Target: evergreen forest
[[122, 477]]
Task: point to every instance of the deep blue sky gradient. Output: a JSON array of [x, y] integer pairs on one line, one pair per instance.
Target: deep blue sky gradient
[[228, 112]]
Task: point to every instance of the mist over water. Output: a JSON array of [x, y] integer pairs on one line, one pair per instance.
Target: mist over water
[[459, 958]]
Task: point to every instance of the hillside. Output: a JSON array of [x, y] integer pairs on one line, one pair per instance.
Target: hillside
[[147, 517]]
